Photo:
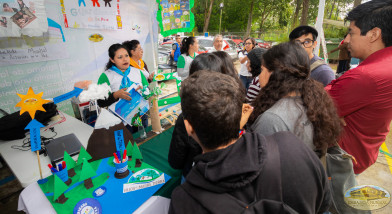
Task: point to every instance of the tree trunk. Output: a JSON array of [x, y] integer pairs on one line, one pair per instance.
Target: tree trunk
[[337, 12], [357, 2], [205, 10], [248, 28], [305, 8], [207, 20], [296, 13], [333, 6]]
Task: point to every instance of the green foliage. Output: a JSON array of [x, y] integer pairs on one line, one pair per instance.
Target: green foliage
[[331, 31], [268, 17]]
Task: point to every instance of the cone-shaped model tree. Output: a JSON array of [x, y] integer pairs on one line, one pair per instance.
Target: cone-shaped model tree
[[70, 163], [59, 188], [86, 174], [136, 156], [129, 148], [83, 155]]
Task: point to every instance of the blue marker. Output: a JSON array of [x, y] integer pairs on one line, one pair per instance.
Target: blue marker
[[119, 156], [60, 167]]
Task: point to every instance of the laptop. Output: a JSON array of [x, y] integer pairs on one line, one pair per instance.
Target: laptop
[[56, 147]]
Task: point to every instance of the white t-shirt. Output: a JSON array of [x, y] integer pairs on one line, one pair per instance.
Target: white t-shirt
[[244, 70]]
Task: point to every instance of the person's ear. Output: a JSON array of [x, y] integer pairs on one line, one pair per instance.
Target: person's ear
[[111, 60], [189, 128], [246, 112], [315, 44], [375, 34]]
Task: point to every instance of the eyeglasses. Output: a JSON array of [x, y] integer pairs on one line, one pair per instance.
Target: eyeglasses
[[306, 43]]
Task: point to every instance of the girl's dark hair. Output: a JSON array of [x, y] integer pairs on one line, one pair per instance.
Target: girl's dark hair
[[227, 63], [252, 40], [186, 42], [253, 43], [289, 65], [211, 62], [131, 46], [112, 52], [206, 61], [255, 57]]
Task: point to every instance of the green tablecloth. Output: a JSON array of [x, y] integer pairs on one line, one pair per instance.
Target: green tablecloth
[[155, 153]]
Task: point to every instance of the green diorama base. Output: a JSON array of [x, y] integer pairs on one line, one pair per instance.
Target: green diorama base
[[75, 194], [116, 192]]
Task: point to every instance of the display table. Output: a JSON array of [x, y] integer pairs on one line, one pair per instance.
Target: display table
[[24, 164]]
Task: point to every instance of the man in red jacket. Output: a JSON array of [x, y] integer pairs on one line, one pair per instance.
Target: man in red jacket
[[363, 95]]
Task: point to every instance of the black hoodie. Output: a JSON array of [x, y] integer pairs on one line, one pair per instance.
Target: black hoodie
[[232, 170]]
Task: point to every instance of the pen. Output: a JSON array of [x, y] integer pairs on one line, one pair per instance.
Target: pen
[[119, 156], [125, 154], [115, 157], [54, 170], [63, 163], [60, 167]]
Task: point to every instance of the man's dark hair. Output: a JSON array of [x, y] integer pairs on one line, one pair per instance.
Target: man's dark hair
[[376, 13], [303, 30], [212, 103]]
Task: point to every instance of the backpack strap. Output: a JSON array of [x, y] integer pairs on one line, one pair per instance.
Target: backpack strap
[[270, 188], [316, 64], [271, 178]]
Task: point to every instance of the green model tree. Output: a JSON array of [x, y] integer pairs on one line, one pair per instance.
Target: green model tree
[[83, 155], [70, 163], [59, 188], [136, 156], [129, 149], [86, 174]]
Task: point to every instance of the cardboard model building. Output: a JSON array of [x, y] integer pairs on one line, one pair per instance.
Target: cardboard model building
[[101, 143]]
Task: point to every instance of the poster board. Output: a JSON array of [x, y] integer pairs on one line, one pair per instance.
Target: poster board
[[75, 58], [175, 16]]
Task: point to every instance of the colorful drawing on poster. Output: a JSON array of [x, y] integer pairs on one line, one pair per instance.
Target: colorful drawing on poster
[[92, 14], [175, 16], [136, 28], [27, 17]]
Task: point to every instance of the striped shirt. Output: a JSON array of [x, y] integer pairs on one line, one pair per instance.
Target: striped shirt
[[253, 90]]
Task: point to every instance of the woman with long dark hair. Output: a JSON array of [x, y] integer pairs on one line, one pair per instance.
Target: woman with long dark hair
[[119, 75], [290, 101], [189, 47], [245, 75]]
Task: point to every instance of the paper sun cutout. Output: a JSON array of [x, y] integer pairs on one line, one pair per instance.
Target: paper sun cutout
[[31, 102]]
